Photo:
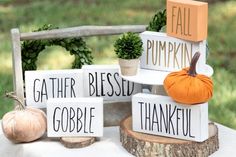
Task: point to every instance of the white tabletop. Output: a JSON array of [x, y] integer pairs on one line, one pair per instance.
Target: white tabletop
[[108, 146], [155, 77]]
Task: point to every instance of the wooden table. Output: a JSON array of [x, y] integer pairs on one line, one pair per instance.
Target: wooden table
[[109, 145]]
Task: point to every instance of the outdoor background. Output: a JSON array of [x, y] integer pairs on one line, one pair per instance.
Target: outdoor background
[[29, 15]]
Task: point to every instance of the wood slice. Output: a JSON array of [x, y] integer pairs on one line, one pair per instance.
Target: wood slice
[[77, 142], [146, 145]]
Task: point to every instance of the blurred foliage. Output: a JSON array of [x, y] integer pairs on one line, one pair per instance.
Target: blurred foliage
[[28, 15], [76, 46]]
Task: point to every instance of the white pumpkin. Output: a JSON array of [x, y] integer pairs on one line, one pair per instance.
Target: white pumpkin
[[24, 124]]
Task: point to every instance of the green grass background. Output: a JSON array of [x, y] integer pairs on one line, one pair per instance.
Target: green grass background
[[28, 15]]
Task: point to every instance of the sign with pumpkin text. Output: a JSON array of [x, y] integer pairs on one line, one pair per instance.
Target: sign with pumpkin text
[[187, 19], [165, 53], [75, 117], [104, 81], [41, 85], [160, 115]]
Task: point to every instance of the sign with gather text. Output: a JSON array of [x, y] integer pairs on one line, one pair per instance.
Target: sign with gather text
[[162, 52], [75, 117], [160, 115], [45, 84], [187, 19], [104, 81]]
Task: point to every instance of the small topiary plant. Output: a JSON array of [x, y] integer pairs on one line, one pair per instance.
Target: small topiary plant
[[157, 22], [129, 46]]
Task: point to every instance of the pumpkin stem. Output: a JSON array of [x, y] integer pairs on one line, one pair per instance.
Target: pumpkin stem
[[192, 70], [13, 96]]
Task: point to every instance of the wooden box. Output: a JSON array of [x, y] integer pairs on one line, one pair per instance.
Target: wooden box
[[160, 115], [165, 53], [187, 19]]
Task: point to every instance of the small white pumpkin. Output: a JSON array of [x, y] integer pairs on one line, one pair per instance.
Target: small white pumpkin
[[24, 124]]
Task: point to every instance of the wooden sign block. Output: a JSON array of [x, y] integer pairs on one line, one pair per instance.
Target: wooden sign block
[[45, 84], [104, 81], [75, 117], [165, 53], [187, 19], [160, 115]]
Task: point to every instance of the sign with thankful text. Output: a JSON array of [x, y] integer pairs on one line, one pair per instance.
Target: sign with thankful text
[[75, 117], [187, 19], [162, 52], [160, 115], [44, 84], [104, 81]]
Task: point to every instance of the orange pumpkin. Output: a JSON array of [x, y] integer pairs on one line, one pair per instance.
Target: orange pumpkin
[[188, 87], [24, 124]]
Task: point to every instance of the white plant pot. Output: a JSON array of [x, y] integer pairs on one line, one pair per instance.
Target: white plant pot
[[128, 67]]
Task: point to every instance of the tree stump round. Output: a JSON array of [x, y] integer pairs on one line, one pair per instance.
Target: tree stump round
[[145, 145], [77, 142]]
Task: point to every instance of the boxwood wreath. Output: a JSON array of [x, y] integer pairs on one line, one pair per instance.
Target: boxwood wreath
[[76, 46]]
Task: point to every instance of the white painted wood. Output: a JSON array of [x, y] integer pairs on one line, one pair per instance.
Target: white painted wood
[[104, 81], [17, 65], [162, 52], [80, 117], [44, 84], [154, 77], [82, 31], [160, 115]]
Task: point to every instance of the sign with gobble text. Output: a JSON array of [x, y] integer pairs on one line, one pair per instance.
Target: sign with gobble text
[[165, 53], [187, 19], [41, 85], [104, 81], [160, 115], [75, 117]]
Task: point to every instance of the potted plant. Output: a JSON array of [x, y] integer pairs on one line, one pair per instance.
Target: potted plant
[[128, 48]]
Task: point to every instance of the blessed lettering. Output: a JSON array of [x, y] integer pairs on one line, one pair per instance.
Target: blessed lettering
[[114, 87]]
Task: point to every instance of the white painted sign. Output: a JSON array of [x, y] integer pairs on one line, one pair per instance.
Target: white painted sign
[[75, 117], [160, 115], [41, 85], [162, 52], [104, 81]]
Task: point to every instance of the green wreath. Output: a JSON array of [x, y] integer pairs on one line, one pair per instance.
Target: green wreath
[[76, 47]]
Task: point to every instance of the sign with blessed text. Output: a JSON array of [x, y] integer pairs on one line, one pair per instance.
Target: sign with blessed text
[[104, 81], [41, 85], [160, 115], [75, 117], [187, 19], [165, 53]]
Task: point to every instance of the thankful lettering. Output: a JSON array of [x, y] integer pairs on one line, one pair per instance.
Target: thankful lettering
[[165, 118]]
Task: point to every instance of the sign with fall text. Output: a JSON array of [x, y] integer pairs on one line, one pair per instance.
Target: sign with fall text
[[187, 19], [104, 81], [41, 85], [165, 53], [160, 115], [75, 117]]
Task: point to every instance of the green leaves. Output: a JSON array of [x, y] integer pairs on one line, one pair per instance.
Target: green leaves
[[76, 47], [157, 22], [128, 46]]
